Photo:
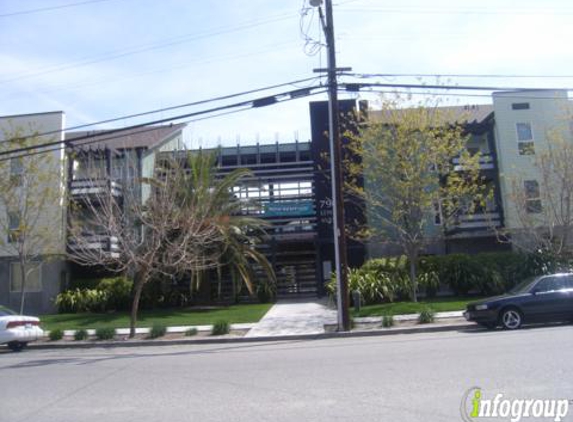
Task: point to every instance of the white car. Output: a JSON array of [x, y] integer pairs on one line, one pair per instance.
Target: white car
[[18, 330]]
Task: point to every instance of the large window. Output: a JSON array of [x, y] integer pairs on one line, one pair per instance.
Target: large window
[[525, 143], [532, 197], [16, 170], [13, 227], [33, 278]]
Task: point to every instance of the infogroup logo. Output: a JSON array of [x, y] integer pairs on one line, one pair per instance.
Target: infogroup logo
[[476, 406]]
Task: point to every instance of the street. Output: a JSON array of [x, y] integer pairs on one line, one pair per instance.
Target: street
[[415, 377]]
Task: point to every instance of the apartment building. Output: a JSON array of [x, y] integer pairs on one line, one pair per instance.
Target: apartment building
[[32, 210], [290, 182]]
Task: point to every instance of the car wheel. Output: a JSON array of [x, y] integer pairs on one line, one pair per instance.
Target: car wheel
[[488, 325], [16, 346], [511, 318]]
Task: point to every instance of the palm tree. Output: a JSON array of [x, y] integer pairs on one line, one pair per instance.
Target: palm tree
[[204, 189]]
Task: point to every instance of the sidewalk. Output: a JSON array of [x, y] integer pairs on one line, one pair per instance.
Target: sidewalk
[[294, 318]]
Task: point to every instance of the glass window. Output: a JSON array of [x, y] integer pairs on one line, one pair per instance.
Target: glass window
[[548, 284], [525, 139], [13, 226], [524, 132], [16, 170], [33, 279], [520, 106], [532, 197]]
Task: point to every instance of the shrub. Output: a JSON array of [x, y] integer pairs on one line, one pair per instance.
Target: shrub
[[377, 281], [56, 334], [191, 332], [118, 291], [87, 300], [387, 321], [81, 335], [101, 295], [157, 331], [105, 333], [220, 327], [266, 291], [426, 316]]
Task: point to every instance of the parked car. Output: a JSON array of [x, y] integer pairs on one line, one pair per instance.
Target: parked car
[[547, 298], [18, 330]]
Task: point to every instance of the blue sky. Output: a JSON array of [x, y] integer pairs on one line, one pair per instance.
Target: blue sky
[[110, 58]]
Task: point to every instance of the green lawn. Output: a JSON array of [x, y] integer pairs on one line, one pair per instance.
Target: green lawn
[[168, 317], [442, 304]]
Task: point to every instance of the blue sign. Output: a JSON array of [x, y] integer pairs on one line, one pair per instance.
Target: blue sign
[[288, 209]]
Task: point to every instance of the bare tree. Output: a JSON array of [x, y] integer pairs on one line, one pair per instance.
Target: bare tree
[[542, 201], [31, 194], [167, 231]]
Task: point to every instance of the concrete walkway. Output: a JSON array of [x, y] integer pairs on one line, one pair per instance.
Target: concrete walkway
[[293, 318]]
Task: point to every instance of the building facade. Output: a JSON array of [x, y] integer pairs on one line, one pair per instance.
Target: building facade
[[290, 185]]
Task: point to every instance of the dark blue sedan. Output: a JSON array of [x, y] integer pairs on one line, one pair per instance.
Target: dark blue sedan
[[547, 298]]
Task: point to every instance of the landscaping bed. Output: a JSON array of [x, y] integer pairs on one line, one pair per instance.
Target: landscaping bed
[[248, 313]]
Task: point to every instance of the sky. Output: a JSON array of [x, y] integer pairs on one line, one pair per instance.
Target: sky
[[103, 59]]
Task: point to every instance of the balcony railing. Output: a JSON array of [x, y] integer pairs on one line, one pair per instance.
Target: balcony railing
[[477, 221], [104, 243], [95, 187], [485, 163]]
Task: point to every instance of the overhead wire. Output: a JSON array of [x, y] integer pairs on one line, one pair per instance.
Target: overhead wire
[[169, 42], [185, 105], [50, 8], [111, 134]]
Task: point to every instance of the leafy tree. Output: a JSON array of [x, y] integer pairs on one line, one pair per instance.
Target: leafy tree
[[406, 159], [31, 194]]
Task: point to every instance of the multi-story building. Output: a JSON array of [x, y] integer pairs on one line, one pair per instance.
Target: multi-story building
[[32, 210], [290, 182]]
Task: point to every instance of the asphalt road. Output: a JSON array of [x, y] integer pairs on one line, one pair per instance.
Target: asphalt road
[[414, 377]]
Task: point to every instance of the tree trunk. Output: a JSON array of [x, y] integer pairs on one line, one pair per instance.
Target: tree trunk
[[138, 288], [413, 258], [23, 287]]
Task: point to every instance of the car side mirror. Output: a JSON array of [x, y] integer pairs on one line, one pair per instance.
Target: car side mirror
[[534, 292]]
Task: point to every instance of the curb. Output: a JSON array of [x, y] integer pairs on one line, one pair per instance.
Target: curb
[[226, 340]]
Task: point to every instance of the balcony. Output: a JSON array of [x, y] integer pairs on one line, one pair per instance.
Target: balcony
[[104, 244], [80, 188], [478, 221], [485, 163]]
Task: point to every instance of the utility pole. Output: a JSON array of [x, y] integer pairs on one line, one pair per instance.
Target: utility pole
[[336, 169]]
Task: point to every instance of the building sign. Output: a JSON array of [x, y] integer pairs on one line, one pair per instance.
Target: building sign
[[288, 209]]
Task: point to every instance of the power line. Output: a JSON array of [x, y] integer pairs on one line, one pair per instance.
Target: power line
[[452, 94], [454, 75], [46, 9], [149, 47], [418, 11], [115, 133], [131, 76], [358, 85], [170, 108]]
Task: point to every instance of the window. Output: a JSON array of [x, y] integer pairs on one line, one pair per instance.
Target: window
[[33, 279], [16, 170], [532, 197], [552, 284], [520, 106], [13, 227], [525, 139]]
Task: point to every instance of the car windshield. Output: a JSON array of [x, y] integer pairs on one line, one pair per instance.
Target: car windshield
[[524, 286], [5, 311]]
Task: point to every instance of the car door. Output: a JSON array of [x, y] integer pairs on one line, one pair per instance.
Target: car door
[[549, 300], [569, 290]]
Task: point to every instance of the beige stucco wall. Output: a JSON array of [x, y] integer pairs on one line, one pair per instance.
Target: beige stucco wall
[[548, 110], [52, 216]]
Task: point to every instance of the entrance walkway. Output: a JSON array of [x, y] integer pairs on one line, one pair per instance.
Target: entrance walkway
[[289, 317]]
